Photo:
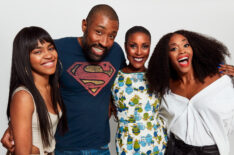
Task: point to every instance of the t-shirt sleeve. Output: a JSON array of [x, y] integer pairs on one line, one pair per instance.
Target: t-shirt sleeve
[[122, 57], [123, 64]]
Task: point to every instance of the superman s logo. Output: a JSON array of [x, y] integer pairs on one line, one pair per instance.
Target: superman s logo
[[93, 77]]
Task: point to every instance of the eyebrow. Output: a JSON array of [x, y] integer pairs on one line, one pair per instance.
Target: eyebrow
[[105, 28], [101, 26], [37, 47], [175, 43]]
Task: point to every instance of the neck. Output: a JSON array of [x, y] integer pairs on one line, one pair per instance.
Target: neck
[[187, 78], [130, 69], [41, 81]]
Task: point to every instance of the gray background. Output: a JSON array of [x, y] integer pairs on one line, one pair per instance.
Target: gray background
[[63, 18]]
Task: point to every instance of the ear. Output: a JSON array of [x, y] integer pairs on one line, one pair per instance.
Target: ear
[[84, 25]]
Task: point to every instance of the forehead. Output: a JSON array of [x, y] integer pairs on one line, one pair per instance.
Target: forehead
[[41, 43], [103, 21], [139, 35], [175, 38]]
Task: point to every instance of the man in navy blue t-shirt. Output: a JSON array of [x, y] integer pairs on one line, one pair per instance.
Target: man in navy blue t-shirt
[[89, 65]]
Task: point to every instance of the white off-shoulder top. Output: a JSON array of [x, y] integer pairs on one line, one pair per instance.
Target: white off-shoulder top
[[205, 119]]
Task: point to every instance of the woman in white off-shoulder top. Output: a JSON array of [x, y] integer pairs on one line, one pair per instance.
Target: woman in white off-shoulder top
[[197, 101]]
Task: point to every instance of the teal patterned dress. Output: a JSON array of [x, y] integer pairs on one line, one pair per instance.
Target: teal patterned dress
[[140, 130]]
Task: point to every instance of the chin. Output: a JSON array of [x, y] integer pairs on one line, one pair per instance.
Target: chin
[[93, 57], [96, 59], [51, 72], [184, 71]]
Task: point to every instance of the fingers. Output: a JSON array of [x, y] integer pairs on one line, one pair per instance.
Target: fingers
[[7, 141], [226, 69]]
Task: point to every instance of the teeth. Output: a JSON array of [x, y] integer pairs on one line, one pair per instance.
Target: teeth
[[98, 50], [183, 62], [183, 59], [48, 64], [138, 59]]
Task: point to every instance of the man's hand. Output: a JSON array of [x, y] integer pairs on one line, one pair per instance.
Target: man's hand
[[7, 140]]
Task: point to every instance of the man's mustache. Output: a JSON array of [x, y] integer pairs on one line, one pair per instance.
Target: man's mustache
[[99, 45]]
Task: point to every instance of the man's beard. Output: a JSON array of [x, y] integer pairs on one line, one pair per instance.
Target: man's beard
[[87, 49]]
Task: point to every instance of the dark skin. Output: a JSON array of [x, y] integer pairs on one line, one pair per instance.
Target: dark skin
[[106, 40], [226, 69], [100, 32], [189, 88], [99, 36], [187, 85]]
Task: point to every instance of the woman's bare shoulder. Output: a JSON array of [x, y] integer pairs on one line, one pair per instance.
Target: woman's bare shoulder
[[22, 100]]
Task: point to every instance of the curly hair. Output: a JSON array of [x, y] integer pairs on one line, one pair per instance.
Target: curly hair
[[208, 53]]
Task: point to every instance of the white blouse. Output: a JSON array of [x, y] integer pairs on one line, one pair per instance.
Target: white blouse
[[206, 119]]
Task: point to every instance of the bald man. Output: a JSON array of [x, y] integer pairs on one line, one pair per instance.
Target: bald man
[[90, 64]]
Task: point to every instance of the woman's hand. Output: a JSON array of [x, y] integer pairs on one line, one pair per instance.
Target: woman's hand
[[226, 69]]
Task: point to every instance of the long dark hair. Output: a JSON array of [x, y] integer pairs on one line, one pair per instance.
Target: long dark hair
[[208, 53], [25, 41]]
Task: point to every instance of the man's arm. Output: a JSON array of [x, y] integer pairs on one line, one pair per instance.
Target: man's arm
[[7, 140]]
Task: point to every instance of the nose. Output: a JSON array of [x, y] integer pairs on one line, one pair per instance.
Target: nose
[[182, 50], [104, 41], [138, 51], [48, 54]]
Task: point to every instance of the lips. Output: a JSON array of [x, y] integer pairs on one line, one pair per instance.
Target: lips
[[48, 64], [98, 51], [183, 60], [138, 59]]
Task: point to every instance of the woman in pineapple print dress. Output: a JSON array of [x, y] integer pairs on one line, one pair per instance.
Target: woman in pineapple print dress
[[140, 129]]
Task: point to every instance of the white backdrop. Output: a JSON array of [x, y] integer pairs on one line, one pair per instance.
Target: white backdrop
[[63, 18]]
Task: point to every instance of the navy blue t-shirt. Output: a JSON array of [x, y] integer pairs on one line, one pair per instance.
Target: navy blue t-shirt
[[86, 91]]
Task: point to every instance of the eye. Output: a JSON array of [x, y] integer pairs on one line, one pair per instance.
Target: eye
[[173, 49], [132, 45], [187, 45], [36, 52], [51, 48], [98, 32], [112, 36], [145, 46]]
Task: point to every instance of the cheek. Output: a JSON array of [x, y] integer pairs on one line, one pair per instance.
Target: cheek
[[146, 52], [191, 53], [111, 42], [34, 60], [55, 55], [172, 58], [93, 37], [130, 51]]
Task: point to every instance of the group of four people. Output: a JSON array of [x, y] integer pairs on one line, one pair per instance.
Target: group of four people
[[183, 90]]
